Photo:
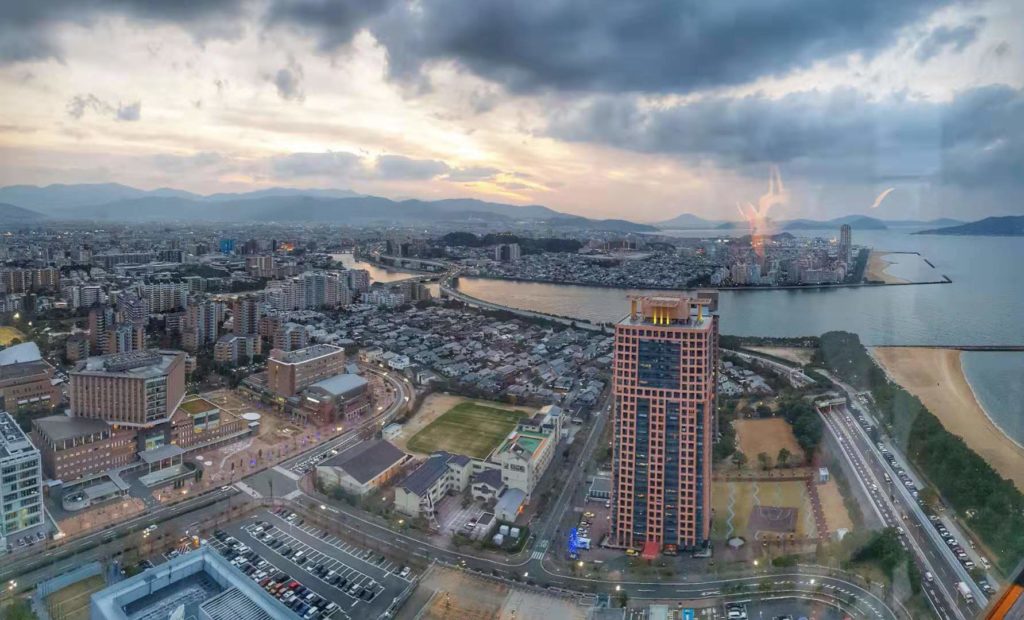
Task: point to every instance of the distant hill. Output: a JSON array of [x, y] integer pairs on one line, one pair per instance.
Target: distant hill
[[1005, 226], [857, 222], [936, 223], [689, 221], [11, 215], [340, 206]]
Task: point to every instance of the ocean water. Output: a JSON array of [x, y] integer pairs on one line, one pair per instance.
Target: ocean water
[[997, 378]]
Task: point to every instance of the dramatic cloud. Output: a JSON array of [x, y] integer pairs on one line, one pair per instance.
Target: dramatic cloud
[[976, 138], [642, 45], [943, 37], [26, 28]]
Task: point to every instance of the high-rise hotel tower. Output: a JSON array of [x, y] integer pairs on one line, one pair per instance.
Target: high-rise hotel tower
[[665, 371]]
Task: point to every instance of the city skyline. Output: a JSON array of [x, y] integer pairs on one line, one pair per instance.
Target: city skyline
[[386, 100]]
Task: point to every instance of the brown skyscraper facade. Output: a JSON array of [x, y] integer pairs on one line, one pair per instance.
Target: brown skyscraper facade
[[664, 381]]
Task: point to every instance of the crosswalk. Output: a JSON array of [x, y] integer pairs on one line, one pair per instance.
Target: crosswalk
[[537, 555]]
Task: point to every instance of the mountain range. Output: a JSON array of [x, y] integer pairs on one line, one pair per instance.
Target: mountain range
[[123, 203], [688, 221], [1004, 226]]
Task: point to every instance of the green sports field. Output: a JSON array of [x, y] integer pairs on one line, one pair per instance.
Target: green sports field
[[467, 428]]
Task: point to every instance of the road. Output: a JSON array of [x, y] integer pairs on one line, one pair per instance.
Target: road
[[933, 552]]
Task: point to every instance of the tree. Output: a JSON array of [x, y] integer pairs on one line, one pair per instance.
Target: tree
[[764, 460], [783, 457], [18, 610], [739, 459]]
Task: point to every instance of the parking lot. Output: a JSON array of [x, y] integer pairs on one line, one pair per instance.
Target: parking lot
[[358, 582]]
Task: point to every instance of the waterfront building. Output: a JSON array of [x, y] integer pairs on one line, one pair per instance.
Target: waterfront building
[[845, 242], [664, 381]]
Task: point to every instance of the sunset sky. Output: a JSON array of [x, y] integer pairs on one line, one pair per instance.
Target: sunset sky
[[637, 110]]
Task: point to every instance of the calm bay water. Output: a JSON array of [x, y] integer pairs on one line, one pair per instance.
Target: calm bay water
[[983, 305]]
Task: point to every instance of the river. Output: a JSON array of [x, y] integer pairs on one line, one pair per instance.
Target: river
[[983, 305]]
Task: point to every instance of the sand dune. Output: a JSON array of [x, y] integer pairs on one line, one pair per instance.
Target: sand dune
[[936, 377]]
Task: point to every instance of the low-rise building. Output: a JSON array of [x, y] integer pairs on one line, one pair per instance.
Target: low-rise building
[[26, 379], [420, 492], [524, 456], [74, 448], [341, 397], [363, 468]]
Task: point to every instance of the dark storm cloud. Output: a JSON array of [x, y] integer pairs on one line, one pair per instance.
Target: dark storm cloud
[[25, 26], [640, 45], [955, 38], [975, 139], [333, 22]]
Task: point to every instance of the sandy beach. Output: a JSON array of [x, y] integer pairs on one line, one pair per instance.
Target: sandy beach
[[877, 265], [936, 377]]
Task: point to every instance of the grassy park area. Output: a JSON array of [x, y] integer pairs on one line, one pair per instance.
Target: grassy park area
[[9, 334], [467, 428]]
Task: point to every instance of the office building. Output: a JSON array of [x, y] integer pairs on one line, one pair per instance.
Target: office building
[[141, 388], [664, 381], [290, 372], [21, 497]]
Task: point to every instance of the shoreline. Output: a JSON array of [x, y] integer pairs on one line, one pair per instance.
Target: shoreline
[[936, 376], [782, 287], [877, 264]]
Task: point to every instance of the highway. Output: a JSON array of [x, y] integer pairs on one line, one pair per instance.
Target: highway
[[947, 568]]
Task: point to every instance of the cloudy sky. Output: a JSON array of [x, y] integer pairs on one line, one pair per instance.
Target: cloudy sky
[[638, 109]]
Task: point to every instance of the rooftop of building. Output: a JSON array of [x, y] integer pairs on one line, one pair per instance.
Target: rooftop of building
[[197, 405], [20, 354], [143, 364], [523, 443], [680, 311], [300, 356], [421, 479], [13, 441], [341, 385], [367, 460], [200, 580], [62, 427], [20, 370]]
